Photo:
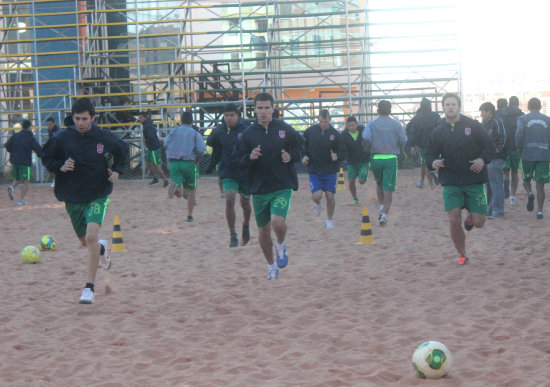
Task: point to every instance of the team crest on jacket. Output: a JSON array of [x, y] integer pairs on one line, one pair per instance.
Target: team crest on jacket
[[282, 134], [468, 131], [332, 137], [100, 148]]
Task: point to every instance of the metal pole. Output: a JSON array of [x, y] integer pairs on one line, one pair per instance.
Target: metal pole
[[138, 69], [348, 59], [242, 59], [37, 96]]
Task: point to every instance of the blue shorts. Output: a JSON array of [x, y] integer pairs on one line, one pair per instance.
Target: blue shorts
[[324, 181]]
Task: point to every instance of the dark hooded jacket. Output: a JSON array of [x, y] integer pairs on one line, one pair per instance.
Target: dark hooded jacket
[[420, 128]]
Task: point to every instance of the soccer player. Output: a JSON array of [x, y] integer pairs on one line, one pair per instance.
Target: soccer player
[[459, 149], [511, 164], [84, 181], [21, 145], [357, 158], [533, 143], [324, 149], [234, 179], [268, 149], [384, 137], [184, 149], [153, 152]]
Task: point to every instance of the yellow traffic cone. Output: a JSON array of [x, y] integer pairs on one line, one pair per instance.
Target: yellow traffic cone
[[341, 183], [117, 245], [366, 231]]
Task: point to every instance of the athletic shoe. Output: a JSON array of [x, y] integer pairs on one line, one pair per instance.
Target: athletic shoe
[[513, 201], [272, 273], [190, 219], [165, 184], [21, 203], [506, 188], [420, 184], [316, 209], [330, 224], [155, 181], [222, 196], [531, 202], [383, 219], [171, 190], [468, 225], [87, 296], [282, 256], [354, 202], [53, 184], [234, 240], [245, 234], [104, 260], [380, 212], [435, 177], [463, 260], [539, 215], [11, 192]]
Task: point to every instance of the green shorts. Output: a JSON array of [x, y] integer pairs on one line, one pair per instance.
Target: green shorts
[[360, 171], [276, 203], [21, 172], [83, 213], [538, 168], [239, 186], [472, 197], [512, 161], [384, 169], [184, 172], [153, 156], [422, 153]]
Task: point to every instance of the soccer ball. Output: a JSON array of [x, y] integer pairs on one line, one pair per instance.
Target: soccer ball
[[30, 254], [432, 360], [47, 243]]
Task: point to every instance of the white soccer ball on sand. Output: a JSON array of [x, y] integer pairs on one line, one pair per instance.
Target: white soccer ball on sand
[[432, 360]]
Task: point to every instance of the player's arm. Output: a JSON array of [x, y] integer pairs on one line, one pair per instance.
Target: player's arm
[[295, 146], [53, 156], [241, 152], [120, 151]]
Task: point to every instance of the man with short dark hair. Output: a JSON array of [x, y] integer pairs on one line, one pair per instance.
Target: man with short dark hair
[[153, 152], [384, 137], [184, 150], [357, 158], [495, 187], [268, 149], [324, 150], [533, 143], [53, 129], [21, 145], [234, 179], [84, 181], [459, 149], [511, 163]]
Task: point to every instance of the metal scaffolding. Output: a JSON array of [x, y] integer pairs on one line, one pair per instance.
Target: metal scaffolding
[[167, 56]]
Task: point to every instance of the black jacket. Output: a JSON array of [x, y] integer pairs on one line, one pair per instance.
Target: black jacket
[[268, 173], [20, 146], [317, 146], [510, 121], [223, 143], [420, 128], [355, 152], [89, 180], [495, 129], [459, 145], [150, 135]]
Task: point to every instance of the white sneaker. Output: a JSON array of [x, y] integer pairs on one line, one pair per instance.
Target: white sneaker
[[53, 184], [383, 219], [104, 260], [87, 296], [21, 203], [330, 224], [316, 209], [272, 272], [380, 212], [512, 201]]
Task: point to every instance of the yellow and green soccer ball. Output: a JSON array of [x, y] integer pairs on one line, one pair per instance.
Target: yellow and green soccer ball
[[30, 254], [432, 360], [47, 243]]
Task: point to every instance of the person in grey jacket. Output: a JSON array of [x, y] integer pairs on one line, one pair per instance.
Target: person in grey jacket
[[384, 138], [533, 143], [184, 150]]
